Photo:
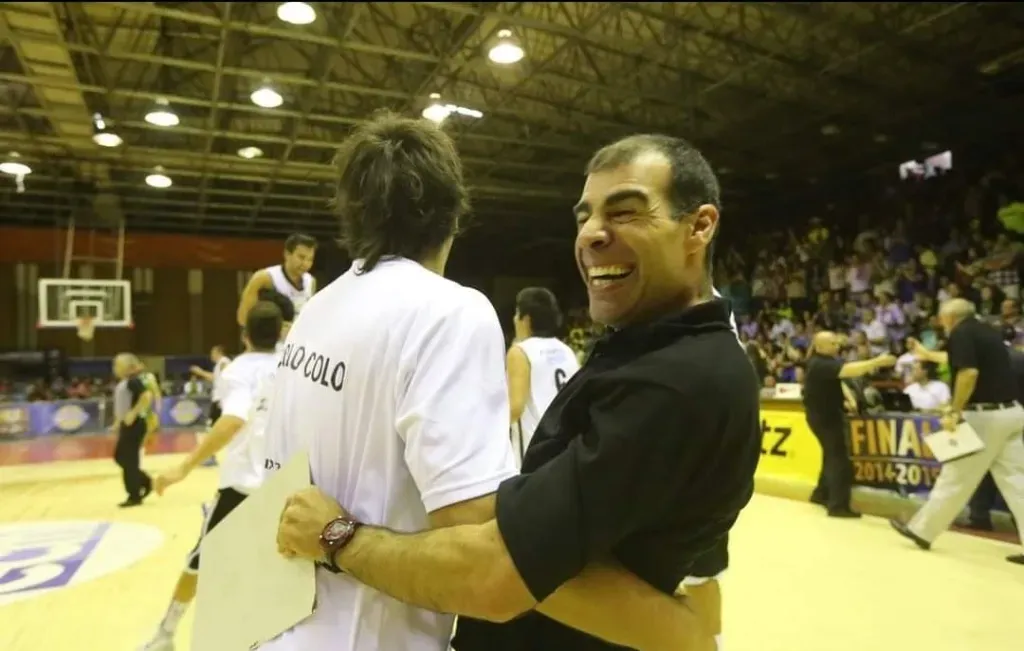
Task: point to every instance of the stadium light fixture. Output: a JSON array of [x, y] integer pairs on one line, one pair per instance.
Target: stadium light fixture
[[15, 167], [296, 13], [161, 114], [104, 137], [250, 152], [158, 179], [266, 97], [506, 50]]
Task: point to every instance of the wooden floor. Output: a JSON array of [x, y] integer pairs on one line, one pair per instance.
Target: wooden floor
[[798, 582]]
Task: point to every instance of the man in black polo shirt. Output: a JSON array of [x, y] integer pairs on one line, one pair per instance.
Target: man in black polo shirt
[[643, 460], [825, 399], [985, 396], [131, 430]]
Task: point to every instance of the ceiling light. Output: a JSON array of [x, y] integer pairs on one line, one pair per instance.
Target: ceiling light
[[436, 112], [107, 139], [506, 51], [296, 13], [14, 167], [162, 115], [266, 97], [829, 130], [250, 152], [158, 179]]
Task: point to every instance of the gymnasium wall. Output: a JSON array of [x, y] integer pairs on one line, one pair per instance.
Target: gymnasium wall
[[186, 289]]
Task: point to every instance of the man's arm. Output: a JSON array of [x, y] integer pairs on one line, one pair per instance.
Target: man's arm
[[518, 371], [251, 294], [467, 570], [858, 369], [220, 435], [604, 600], [964, 357]]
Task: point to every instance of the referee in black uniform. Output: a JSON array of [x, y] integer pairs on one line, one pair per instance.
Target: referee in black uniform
[[643, 460], [985, 396], [824, 399]]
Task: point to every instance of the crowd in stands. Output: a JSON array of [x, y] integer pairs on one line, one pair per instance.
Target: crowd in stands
[[879, 278], [94, 387]]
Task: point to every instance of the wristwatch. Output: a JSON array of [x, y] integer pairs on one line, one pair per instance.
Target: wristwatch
[[333, 539]]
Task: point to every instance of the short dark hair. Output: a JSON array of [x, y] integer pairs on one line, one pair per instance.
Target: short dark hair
[[540, 304], [263, 325], [295, 240], [283, 303], [693, 181], [400, 189]]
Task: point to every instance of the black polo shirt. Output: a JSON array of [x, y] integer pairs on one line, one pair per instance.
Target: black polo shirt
[[978, 345], [823, 391], [646, 456]]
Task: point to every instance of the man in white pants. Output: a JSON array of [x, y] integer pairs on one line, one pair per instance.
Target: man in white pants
[[985, 396]]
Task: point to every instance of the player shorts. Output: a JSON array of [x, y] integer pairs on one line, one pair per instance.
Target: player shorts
[[214, 413], [227, 500]]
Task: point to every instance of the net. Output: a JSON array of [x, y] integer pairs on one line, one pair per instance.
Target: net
[[86, 328]]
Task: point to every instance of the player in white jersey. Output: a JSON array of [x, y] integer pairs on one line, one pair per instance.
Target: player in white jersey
[[291, 278], [538, 363], [220, 362], [239, 432], [393, 381]]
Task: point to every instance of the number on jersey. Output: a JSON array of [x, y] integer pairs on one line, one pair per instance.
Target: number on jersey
[[560, 378]]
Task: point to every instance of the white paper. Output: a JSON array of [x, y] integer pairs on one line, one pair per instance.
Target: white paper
[[248, 593], [950, 446]]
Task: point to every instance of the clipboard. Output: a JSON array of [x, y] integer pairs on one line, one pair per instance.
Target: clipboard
[[950, 446], [248, 593]]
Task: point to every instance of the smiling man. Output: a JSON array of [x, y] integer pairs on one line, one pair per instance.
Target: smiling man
[[643, 460]]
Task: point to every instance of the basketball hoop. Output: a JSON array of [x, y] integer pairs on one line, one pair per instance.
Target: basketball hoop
[[86, 328]]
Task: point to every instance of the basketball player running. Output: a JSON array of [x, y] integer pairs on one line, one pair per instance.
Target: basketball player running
[[404, 410], [220, 362], [292, 278], [539, 363], [246, 386]]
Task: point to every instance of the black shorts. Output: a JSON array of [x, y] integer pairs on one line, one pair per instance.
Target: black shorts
[[227, 500], [214, 413]]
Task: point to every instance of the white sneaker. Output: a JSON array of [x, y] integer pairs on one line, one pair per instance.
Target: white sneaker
[[162, 641]]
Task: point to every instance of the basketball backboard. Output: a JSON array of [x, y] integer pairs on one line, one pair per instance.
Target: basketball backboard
[[65, 301]]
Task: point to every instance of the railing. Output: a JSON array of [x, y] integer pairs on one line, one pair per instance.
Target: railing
[[26, 420]]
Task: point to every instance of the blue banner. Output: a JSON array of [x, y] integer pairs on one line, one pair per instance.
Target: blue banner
[[888, 452], [21, 420]]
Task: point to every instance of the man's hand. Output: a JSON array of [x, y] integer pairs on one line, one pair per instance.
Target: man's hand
[[303, 519], [167, 479], [195, 370]]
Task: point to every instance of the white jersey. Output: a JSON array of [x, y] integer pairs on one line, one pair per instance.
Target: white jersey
[[217, 393], [552, 363], [299, 296], [247, 384], [403, 411]]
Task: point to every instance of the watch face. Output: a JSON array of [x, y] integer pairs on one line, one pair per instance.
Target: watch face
[[337, 530]]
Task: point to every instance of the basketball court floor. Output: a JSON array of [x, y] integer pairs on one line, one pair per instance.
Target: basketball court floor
[[76, 573]]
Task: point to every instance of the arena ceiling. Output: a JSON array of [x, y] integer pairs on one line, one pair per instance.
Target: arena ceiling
[[777, 95]]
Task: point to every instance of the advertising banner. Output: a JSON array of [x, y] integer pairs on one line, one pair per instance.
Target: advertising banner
[[26, 420]]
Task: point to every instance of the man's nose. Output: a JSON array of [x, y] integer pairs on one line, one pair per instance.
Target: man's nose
[[593, 233]]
